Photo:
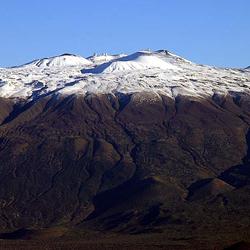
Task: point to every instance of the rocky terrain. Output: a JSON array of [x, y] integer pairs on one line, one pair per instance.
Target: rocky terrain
[[148, 149]]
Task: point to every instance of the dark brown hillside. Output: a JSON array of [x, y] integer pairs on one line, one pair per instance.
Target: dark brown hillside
[[136, 164]]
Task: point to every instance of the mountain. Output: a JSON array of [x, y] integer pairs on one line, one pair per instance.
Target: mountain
[[138, 61], [60, 61], [144, 71], [97, 59], [147, 149]]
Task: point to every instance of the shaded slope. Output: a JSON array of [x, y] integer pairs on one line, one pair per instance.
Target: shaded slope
[[129, 164], [208, 188]]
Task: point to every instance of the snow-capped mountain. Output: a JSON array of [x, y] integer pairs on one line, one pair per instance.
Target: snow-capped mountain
[[97, 59], [64, 60], [143, 71], [138, 61], [124, 143]]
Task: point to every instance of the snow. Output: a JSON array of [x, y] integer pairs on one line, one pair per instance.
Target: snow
[[60, 61], [138, 61], [159, 72], [97, 59]]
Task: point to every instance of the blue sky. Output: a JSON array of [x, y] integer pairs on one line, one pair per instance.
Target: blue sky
[[212, 32]]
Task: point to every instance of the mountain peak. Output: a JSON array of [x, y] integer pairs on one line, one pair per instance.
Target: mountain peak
[[63, 60], [104, 57], [141, 60], [143, 71]]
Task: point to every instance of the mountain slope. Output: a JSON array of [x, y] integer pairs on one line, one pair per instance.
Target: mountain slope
[[64, 60], [126, 152], [137, 61], [157, 72]]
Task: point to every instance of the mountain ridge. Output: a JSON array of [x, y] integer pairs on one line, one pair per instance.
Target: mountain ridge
[[130, 153], [62, 60], [144, 71]]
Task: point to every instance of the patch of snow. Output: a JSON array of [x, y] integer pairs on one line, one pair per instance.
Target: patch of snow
[[60, 61], [98, 59], [159, 72], [142, 60]]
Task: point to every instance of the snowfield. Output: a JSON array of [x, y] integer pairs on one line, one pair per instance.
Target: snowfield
[[60, 61], [137, 61], [157, 72]]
